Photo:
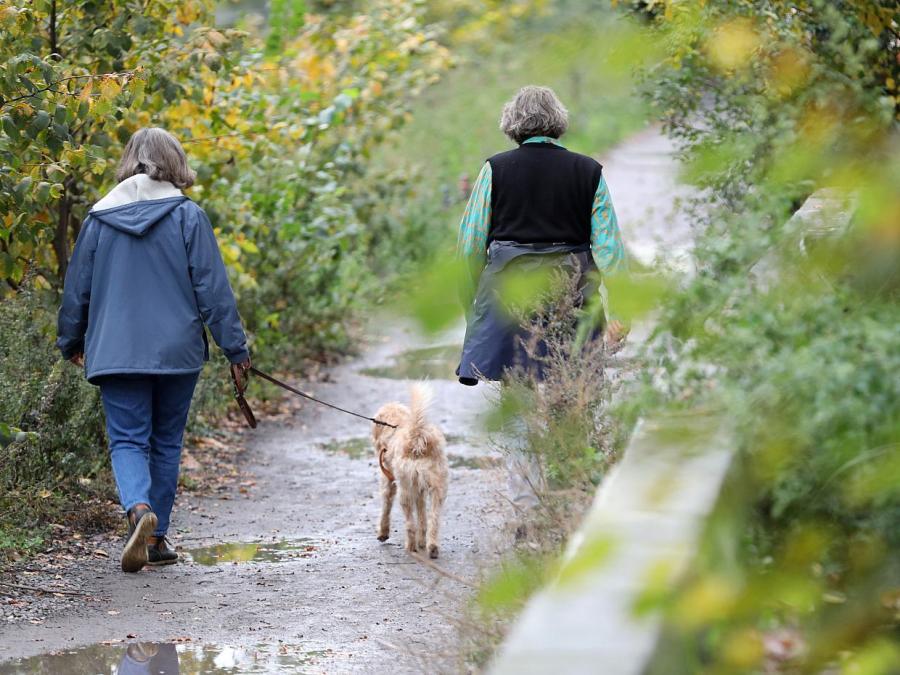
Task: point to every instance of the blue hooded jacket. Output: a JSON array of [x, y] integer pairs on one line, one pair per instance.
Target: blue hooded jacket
[[144, 278]]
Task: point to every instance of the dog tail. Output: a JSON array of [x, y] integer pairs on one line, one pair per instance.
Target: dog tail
[[421, 396]]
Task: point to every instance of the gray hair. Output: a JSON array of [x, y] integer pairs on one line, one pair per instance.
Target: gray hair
[[534, 111], [158, 154]]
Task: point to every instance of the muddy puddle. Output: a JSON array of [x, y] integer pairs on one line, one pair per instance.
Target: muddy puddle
[[155, 658], [482, 462], [431, 363], [354, 448], [258, 552]]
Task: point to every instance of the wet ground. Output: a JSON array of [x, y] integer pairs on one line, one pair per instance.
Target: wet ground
[[285, 573], [166, 658], [288, 575]]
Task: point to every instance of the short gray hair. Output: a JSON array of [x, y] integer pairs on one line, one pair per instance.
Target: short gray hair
[[534, 111], [158, 154]]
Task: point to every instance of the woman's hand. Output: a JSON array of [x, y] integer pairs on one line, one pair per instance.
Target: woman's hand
[[240, 372], [615, 333], [78, 359]]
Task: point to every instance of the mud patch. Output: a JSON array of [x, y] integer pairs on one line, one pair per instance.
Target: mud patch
[[259, 552], [154, 658], [482, 462], [354, 448], [432, 363]]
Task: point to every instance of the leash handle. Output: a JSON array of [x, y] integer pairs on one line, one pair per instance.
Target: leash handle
[[283, 385]]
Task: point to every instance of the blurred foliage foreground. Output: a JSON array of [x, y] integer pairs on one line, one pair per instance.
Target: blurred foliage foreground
[[797, 338], [772, 100], [279, 126]]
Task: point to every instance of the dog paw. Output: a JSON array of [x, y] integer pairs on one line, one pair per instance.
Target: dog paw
[[411, 547], [433, 551], [383, 537]]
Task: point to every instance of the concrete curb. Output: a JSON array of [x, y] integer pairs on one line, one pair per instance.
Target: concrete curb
[[643, 527]]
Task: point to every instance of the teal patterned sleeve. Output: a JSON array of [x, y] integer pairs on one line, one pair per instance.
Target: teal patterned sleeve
[[606, 240], [476, 221], [471, 245]]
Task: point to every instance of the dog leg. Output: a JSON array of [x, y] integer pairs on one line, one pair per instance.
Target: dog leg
[[388, 491], [421, 518], [438, 495], [407, 502]]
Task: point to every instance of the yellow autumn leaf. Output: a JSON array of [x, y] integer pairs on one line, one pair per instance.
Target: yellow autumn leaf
[[248, 246], [187, 12], [732, 44], [85, 94], [706, 600], [109, 87]]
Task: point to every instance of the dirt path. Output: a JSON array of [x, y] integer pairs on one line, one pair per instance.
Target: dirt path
[[320, 582], [299, 582]]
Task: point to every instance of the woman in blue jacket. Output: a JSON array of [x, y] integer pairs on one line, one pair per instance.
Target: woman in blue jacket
[[145, 278]]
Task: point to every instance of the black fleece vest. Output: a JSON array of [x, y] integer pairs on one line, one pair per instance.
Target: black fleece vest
[[542, 193]]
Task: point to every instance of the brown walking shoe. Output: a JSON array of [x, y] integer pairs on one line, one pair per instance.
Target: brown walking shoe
[[141, 523]]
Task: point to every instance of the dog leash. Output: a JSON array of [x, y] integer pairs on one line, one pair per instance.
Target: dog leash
[[284, 385]]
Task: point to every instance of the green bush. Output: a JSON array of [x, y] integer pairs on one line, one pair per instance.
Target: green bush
[[770, 102], [63, 438], [45, 397]]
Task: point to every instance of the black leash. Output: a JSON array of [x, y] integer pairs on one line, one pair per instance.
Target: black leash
[[291, 389]]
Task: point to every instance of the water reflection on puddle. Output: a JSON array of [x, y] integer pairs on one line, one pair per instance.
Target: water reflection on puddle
[[435, 363], [480, 462], [268, 552], [154, 658], [355, 448]]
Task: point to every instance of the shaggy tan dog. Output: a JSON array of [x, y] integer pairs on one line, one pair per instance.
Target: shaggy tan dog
[[412, 460]]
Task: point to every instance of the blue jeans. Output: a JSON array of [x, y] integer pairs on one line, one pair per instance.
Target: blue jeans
[[145, 420]]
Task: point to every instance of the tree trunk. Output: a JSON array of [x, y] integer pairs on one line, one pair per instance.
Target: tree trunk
[[61, 236], [54, 38]]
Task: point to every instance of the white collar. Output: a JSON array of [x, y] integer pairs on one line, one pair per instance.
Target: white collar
[[138, 188]]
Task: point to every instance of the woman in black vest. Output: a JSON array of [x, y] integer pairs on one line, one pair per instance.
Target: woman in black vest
[[539, 200], [542, 201]]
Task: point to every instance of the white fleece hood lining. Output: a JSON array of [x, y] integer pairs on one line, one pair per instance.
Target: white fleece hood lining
[[138, 188]]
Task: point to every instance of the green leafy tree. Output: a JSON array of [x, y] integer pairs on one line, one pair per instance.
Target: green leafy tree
[[75, 78]]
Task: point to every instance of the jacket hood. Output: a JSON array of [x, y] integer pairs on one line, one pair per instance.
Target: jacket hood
[[137, 204]]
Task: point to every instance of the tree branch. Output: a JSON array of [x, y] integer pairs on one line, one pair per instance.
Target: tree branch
[[50, 87]]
